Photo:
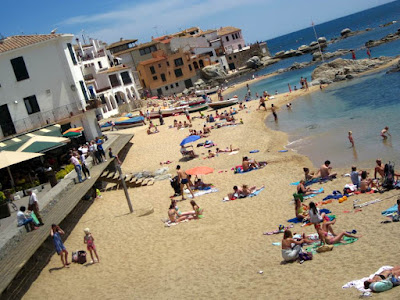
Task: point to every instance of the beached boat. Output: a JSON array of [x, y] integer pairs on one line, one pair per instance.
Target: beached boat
[[224, 103], [198, 107], [207, 91], [129, 122]]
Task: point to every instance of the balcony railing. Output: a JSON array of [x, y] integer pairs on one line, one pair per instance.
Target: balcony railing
[[103, 89], [43, 118]]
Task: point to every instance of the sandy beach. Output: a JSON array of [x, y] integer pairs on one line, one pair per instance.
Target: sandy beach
[[219, 256]]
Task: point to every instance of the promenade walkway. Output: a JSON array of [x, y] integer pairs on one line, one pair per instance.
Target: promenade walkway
[[18, 249]]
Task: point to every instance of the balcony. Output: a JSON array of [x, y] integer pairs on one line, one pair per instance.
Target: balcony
[[103, 89], [88, 77]]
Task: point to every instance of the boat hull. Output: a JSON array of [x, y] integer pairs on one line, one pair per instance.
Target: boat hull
[[222, 104]]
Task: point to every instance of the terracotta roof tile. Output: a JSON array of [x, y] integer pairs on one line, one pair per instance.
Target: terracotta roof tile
[[115, 69], [20, 41], [152, 60], [119, 43], [227, 30]]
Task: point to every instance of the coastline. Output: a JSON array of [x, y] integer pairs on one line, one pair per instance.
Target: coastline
[[223, 252]]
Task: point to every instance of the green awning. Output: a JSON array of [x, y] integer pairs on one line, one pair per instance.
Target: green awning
[[37, 147]]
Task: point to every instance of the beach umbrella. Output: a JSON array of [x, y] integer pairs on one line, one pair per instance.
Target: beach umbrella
[[189, 139], [123, 119], [200, 171], [75, 129]]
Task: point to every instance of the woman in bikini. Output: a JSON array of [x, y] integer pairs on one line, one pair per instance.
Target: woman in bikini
[[382, 276]]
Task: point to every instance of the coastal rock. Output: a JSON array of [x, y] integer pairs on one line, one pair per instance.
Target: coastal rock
[[213, 72], [322, 40], [313, 44], [342, 69], [253, 63], [329, 55], [345, 32], [303, 48], [266, 61], [199, 82], [395, 69], [280, 53], [389, 38]]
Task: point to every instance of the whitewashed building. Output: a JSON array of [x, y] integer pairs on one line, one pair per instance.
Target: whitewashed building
[[106, 79], [41, 83]]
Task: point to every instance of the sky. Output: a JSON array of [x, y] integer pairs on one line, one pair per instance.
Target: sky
[[110, 20]]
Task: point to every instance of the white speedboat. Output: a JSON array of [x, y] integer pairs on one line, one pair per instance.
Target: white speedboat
[[223, 103], [207, 91]]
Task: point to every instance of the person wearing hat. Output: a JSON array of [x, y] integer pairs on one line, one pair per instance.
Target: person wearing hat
[[89, 241]]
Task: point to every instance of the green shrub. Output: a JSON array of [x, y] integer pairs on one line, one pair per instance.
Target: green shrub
[[2, 198]]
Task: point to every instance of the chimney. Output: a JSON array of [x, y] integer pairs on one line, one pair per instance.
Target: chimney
[[121, 39]]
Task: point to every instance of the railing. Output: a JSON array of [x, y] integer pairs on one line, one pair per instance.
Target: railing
[[41, 119], [103, 89]]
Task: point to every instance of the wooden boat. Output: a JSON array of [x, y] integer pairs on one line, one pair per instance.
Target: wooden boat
[[224, 103], [207, 91], [131, 122], [167, 112], [198, 107]]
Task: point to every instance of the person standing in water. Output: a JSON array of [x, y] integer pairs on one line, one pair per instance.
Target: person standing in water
[[384, 132], [369, 53], [351, 140], [273, 109]]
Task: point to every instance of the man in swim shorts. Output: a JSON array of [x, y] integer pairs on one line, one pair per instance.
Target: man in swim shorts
[[273, 109], [184, 180], [262, 103], [325, 171]]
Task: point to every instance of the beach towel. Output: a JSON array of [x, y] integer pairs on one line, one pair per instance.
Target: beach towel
[[283, 151], [346, 241], [309, 182], [233, 153], [313, 195], [296, 221], [253, 194], [254, 151], [239, 170], [359, 283], [390, 210], [200, 193]]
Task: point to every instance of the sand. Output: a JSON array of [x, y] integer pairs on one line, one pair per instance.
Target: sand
[[219, 256]]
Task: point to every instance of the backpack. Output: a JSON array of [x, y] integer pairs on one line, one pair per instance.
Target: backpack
[[388, 181], [81, 257]]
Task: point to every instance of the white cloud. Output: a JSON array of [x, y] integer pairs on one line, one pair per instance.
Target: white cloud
[[139, 21]]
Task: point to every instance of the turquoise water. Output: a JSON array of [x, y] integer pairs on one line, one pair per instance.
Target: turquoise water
[[318, 124]]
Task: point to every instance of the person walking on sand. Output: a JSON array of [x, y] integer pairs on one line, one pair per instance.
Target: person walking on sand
[[273, 109], [262, 103], [351, 140], [187, 115], [89, 241], [184, 180], [290, 89], [34, 206], [306, 83], [55, 233], [384, 132]]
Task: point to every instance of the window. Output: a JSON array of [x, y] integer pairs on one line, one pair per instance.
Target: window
[[167, 63], [195, 64], [20, 71], [126, 79], [172, 86], [147, 50], [176, 84], [201, 63], [166, 87], [227, 38], [190, 67], [178, 72], [85, 95], [240, 47], [31, 105], [234, 56], [155, 77], [163, 78], [152, 70], [230, 57], [178, 62], [159, 92], [233, 37], [159, 65], [72, 53], [114, 80], [100, 65]]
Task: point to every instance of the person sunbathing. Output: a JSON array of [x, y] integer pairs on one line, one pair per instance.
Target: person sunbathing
[[200, 185], [237, 193], [330, 240], [309, 175], [249, 164], [175, 123], [366, 183], [290, 252], [185, 151], [301, 210], [179, 125], [210, 154], [302, 190], [230, 149], [246, 191], [206, 129], [173, 216], [383, 276]]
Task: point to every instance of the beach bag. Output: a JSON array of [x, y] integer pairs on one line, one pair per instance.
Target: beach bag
[[388, 181], [396, 218], [305, 256], [81, 257], [75, 257], [324, 248]]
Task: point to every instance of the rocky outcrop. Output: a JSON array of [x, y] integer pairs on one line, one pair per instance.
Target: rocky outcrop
[[388, 24], [266, 61], [389, 38], [395, 69], [213, 72], [345, 32], [329, 55], [343, 69], [253, 62]]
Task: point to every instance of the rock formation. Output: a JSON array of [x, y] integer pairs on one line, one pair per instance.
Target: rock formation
[[329, 55], [213, 72], [253, 62], [395, 69], [389, 38]]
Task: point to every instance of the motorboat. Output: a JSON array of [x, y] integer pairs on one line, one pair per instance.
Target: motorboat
[[223, 103], [207, 91]]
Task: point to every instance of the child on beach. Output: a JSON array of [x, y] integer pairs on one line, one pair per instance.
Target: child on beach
[[350, 136], [384, 132], [89, 241]]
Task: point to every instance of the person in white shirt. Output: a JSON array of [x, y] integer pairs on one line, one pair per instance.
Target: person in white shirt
[[78, 167], [23, 220], [34, 206], [84, 165]]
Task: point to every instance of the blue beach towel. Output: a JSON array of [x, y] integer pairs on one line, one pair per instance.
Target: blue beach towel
[[309, 182], [313, 195], [254, 151], [390, 210], [256, 192], [296, 221], [239, 170], [283, 151]]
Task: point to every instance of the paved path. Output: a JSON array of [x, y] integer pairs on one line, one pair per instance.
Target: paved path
[[27, 244]]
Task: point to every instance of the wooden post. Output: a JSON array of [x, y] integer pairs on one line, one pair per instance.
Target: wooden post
[[121, 177]]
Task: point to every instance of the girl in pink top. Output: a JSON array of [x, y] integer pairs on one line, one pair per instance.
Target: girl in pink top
[[89, 241]]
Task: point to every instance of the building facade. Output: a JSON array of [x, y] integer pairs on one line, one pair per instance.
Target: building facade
[[238, 58], [231, 39], [41, 83], [106, 79]]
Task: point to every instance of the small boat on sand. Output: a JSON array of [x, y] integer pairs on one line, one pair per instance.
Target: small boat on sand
[[128, 123], [207, 91], [223, 103]]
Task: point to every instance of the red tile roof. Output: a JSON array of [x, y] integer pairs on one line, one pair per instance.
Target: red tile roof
[[20, 41], [227, 30], [152, 60]]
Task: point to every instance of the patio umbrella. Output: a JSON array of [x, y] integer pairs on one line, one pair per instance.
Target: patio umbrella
[[73, 132], [44, 140], [189, 139], [200, 171]]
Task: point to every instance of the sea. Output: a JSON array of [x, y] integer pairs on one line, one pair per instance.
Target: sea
[[318, 124]]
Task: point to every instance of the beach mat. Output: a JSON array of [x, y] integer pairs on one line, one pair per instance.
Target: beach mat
[[253, 194], [313, 195], [390, 210], [201, 192], [296, 221], [346, 241], [315, 180]]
